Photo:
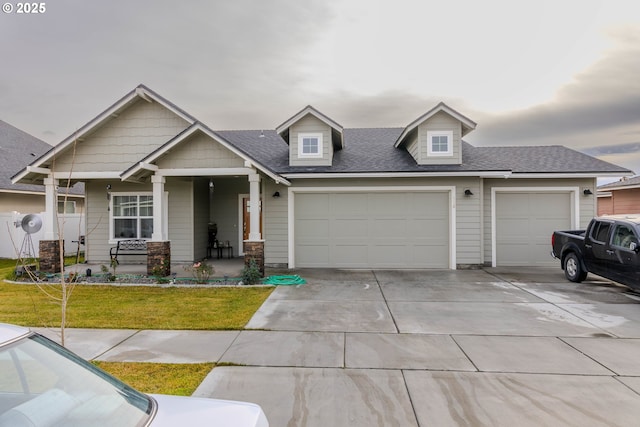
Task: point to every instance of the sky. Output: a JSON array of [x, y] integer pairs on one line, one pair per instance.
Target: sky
[[537, 72]]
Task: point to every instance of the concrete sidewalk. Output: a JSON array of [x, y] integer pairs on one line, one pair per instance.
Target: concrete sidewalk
[[416, 348]]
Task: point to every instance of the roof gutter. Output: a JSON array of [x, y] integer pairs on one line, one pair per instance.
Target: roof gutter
[[491, 174]]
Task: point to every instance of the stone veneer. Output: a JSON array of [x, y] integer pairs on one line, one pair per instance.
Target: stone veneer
[[50, 256], [254, 250], [159, 255]]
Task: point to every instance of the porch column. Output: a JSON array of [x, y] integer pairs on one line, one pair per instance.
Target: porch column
[[159, 219], [50, 221], [49, 247], [254, 206]]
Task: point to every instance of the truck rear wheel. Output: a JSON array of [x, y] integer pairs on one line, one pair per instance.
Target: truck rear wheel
[[573, 270]]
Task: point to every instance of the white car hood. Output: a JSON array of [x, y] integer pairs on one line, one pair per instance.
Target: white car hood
[[196, 412]]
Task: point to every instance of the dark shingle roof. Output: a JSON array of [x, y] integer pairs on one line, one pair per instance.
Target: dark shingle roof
[[17, 150], [372, 150]]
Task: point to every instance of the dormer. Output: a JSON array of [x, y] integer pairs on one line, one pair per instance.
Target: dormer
[[312, 138], [435, 138]]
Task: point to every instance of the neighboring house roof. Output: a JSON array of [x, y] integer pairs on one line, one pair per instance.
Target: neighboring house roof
[[624, 184], [17, 149], [373, 151]]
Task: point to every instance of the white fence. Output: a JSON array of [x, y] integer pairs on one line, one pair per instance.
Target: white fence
[[12, 238]]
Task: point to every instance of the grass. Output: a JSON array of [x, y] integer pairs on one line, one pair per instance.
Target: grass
[[159, 378], [131, 307], [136, 307]]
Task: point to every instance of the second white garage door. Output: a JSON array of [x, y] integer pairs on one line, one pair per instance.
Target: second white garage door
[[524, 224], [372, 229]]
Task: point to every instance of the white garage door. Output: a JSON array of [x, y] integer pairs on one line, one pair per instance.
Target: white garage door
[[524, 224], [372, 229]]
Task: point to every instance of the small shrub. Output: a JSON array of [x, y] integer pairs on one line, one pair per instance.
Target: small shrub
[[251, 273], [201, 271]]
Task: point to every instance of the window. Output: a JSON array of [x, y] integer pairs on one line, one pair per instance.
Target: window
[[624, 237], [440, 143], [132, 216], [600, 231], [310, 145], [66, 208]]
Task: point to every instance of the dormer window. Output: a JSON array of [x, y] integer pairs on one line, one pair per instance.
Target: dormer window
[[310, 144], [440, 143]]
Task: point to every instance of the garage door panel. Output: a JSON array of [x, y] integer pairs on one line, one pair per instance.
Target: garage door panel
[[428, 256], [312, 228], [314, 255], [313, 204], [347, 228], [373, 229], [390, 227], [430, 228], [350, 255], [348, 204]]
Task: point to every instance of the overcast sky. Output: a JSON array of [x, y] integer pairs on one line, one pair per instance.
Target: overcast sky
[[528, 72]]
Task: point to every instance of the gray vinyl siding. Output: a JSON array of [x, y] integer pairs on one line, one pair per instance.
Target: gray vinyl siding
[[413, 147], [310, 124], [181, 219], [587, 204], [200, 218], [200, 151], [123, 140], [440, 122], [275, 226]]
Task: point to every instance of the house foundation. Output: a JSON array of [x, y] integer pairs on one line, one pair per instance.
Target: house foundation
[[50, 256], [254, 250], [159, 258]]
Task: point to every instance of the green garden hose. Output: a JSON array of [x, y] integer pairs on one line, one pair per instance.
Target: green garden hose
[[284, 280]]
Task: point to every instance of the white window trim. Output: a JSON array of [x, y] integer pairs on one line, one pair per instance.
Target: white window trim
[[318, 136], [112, 238], [448, 134]]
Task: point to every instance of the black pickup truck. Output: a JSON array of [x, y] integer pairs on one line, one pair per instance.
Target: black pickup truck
[[609, 247]]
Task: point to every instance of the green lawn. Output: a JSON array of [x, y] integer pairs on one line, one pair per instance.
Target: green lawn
[[136, 307], [130, 307], [159, 378]]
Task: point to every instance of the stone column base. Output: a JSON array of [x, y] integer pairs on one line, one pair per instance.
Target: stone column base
[[50, 256], [158, 258], [254, 250]]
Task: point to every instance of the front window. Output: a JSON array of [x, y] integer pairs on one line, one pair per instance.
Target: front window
[[132, 216], [42, 383], [68, 207], [309, 145], [440, 143]]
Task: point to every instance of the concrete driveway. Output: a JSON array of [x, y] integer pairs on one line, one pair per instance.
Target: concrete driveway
[[494, 347]]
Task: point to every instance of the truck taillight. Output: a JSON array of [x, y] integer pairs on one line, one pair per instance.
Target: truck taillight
[[553, 240]]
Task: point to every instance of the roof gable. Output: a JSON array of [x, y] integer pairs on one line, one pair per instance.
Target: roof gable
[[467, 124], [337, 129], [148, 165], [34, 170]]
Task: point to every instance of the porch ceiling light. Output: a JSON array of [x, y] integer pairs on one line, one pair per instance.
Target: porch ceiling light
[[211, 185]]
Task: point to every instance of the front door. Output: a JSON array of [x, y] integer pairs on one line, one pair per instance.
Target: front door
[[246, 222]]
